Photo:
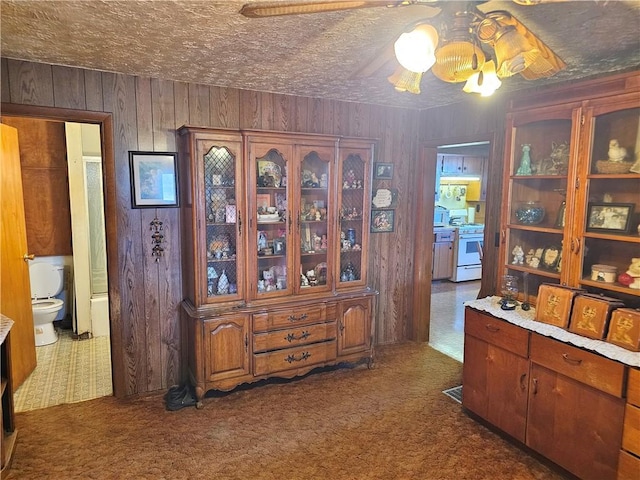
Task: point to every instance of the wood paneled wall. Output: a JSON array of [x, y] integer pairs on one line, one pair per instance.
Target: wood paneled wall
[[145, 113]]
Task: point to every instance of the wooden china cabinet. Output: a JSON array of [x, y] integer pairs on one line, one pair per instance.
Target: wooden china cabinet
[[567, 206], [276, 231]]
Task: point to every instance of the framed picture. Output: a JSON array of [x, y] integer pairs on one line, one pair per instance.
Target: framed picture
[[383, 171], [382, 221], [154, 179], [263, 201], [609, 217]]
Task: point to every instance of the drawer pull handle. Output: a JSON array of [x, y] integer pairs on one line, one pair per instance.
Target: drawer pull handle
[[492, 328], [293, 318], [292, 358], [535, 386], [572, 361], [292, 336], [523, 386]]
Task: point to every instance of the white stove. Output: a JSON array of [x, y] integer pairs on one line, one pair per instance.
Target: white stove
[[467, 252]]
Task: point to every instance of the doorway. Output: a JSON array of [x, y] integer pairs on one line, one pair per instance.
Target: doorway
[[78, 366], [460, 180]]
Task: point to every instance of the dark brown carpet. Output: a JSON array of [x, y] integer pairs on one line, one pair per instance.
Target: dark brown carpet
[[391, 422]]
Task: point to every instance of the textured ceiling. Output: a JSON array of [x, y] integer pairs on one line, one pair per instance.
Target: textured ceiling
[[312, 55]]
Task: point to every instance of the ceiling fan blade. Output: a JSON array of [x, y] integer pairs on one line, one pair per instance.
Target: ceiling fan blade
[[529, 3], [546, 63], [274, 9]]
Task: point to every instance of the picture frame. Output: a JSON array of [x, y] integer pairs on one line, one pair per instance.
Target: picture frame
[[154, 179], [609, 217], [263, 201], [382, 221], [383, 171]]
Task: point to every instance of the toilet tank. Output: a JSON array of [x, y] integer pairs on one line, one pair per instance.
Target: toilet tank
[[46, 279]]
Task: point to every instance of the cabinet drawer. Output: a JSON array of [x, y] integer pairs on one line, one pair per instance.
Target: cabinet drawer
[[633, 387], [293, 358], [497, 332], [292, 337], [588, 368], [628, 466], [631, 432], [291, 317]]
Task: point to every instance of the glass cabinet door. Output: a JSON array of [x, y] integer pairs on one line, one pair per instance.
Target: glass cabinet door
[[222, 203], [271, 240], [609, 226], [540, 158], [354, 171], [315, 226]]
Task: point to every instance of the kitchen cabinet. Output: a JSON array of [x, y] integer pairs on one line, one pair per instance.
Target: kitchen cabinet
[[564, 203], [452, 164], [275, 254], [563, 402], [442, 264]]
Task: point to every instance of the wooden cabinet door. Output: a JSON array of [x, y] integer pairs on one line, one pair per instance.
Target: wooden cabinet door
[[442, 260], [574, 425], [472, 165], [354, 324], [495, 385], [226, 348], [450, 164]]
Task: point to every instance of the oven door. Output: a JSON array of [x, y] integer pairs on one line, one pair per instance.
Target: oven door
[[469, 249]]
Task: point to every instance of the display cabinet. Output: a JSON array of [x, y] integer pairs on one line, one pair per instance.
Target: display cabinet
[[275, 234], [566, 205]]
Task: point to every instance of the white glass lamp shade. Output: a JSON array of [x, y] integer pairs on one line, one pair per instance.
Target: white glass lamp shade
[[489, 84], [415, 50]]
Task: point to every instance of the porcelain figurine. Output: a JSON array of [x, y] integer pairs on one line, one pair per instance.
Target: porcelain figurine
[[525, 162], [616, 153], [518, 255]]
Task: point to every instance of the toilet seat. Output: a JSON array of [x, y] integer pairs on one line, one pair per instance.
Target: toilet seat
[[46, 305]]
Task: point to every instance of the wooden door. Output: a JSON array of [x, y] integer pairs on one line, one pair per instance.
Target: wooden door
[[15, 290], [442, 260], [226, 344]]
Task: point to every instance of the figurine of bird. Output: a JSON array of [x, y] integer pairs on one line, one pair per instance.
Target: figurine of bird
[[616, 152]]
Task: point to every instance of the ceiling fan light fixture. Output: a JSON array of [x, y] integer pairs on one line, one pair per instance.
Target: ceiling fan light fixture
[[404, 80], [415, 50], [457, 60], [485, 82]]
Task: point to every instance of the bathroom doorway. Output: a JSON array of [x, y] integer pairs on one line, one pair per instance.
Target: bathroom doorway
[[77, 367]]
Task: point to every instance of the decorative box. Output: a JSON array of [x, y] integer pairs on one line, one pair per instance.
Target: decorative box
[[604, 273], [554, 304], [591, 313], [624, 329]]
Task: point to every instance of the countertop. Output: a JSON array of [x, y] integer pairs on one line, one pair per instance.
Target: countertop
[[5, 325], [527, 320]]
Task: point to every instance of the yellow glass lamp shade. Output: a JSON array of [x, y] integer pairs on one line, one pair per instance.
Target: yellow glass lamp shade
[[415, 50], [485, 82], [404, 80], [513, 52], [457, 60]]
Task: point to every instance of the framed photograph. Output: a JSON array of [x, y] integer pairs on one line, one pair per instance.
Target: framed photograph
[[383, 171], [609, 217], [382, 221], [154, 179], [263, 201]]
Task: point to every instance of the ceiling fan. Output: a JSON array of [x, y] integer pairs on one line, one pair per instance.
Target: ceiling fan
[[459, 43]]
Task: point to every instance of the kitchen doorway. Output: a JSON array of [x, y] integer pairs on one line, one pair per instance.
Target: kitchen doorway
[[461, 176]]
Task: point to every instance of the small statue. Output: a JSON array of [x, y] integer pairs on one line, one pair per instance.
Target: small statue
[[518, 255], [525, 162], [616, 153]]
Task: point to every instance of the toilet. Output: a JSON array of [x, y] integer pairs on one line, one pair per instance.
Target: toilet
[[46, 282]]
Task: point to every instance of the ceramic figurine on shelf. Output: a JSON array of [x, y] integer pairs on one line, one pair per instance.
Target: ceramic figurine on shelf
[[525, 162], [616, 153], [518, 255]]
